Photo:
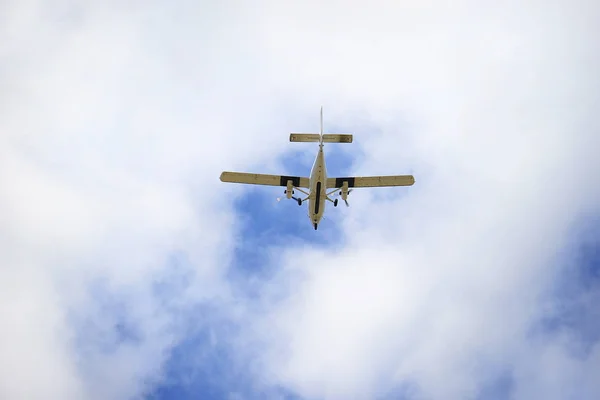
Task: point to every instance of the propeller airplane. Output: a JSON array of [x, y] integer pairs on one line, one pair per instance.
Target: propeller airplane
[[318, 184]]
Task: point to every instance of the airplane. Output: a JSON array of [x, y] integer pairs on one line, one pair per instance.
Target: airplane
[[318, 183]]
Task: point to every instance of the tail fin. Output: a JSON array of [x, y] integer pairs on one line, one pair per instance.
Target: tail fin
[[321, 137]]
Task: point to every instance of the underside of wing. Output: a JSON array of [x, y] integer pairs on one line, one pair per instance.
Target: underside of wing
[[264, 179], [371, 181]]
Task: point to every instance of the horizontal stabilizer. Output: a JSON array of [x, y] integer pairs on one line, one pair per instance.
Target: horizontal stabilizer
[[337, 138], [327, 138], [371, 181], [304, 137], [264, 179]]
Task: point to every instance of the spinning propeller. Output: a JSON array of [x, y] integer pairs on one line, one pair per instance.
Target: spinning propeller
[[288, 196], [346, 199]]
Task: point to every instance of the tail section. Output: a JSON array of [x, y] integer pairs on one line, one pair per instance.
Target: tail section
[[321, 137]]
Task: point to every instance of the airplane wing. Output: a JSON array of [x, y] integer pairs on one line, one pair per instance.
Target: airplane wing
[[371, 181], [264, 179]]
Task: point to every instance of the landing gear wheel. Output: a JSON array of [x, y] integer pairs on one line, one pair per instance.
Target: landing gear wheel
[[299, 202], [335, 202]]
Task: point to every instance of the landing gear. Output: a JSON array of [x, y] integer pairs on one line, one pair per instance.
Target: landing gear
[[291, 191], [335, 201]]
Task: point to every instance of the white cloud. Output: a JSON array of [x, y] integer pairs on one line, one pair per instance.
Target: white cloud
[[443, 285], [117, 120]]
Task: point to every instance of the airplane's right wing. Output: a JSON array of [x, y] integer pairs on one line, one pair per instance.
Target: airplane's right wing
[[371, 181], [264, 179]]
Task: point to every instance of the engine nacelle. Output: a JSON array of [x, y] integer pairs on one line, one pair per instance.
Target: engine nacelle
[[289, 191], [344, 192]]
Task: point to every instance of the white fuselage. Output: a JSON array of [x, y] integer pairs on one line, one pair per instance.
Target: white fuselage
[[318, 188]]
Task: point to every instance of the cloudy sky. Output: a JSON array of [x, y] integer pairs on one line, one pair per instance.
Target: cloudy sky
[[129, 271]]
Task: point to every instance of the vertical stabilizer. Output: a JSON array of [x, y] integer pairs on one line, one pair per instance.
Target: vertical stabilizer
[[321, 134]]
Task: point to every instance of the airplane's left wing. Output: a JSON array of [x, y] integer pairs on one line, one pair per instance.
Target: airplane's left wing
[[371, 181], [264, 179]]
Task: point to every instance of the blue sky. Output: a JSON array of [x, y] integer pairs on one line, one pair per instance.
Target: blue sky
[[128, 270]]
